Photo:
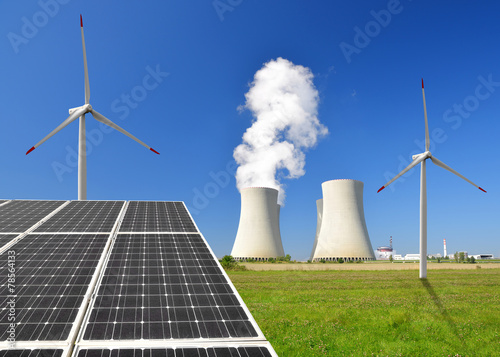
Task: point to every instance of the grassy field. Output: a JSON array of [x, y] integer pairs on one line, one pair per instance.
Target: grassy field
[[375, 313]]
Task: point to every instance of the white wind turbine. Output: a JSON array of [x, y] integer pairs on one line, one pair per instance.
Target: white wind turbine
[[420, 159], [80, 112]]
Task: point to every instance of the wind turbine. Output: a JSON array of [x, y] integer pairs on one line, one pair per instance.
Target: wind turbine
[[79, 112], [420, 159]]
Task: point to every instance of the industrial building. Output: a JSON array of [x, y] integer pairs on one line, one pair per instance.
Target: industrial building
[[258, 234], [342, 227], [385, 252]]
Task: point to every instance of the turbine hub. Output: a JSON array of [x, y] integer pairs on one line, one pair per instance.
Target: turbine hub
[[87, 108], [427, 155]]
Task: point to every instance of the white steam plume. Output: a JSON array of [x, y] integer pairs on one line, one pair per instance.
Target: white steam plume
[[284, 102]]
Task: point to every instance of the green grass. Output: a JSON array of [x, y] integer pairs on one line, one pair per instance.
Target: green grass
[[375, 313]]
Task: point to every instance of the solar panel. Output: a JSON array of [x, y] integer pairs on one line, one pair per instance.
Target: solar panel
[[157, 217], [112, 278], [162, 286], [18, 216], [84, 216], [6, 238], [52, 275], [31, 353], [223, 351]]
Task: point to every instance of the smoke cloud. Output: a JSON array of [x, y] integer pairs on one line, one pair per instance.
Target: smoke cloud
[[284, 104]]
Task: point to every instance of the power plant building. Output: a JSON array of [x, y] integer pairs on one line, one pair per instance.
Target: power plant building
[[258, 234], [342, 231]]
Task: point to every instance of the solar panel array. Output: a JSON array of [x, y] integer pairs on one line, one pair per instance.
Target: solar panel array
[[115, 278]]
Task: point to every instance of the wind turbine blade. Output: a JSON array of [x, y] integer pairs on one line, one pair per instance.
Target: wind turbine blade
[[108, 122], [77, 113], [409, 167], [427, 141], [87, 86], [446, 167]]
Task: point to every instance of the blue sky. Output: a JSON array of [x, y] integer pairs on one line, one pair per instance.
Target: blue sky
[[367, 69]]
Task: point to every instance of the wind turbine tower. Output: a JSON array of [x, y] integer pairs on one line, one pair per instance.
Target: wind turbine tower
[[445, 252], [79, 112], [420, 159]]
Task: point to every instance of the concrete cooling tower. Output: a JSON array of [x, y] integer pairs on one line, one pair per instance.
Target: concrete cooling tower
[[258, 234], [342, 232], [319, 208]]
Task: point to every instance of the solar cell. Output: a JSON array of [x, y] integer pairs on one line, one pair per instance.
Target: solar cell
[[6, 238], [31, 353], [18, 216], [52, 274], [157, 217], [223, 351], [84, 216], [163, 286]]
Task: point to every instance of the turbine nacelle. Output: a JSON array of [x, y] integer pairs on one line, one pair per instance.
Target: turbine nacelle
[[87, 107], [427, 155]]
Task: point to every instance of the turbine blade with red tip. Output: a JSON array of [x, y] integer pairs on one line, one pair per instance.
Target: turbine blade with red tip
[[409, 167], [77, 113], [85, 69], [446, 167], [427, 141], [99, 117]]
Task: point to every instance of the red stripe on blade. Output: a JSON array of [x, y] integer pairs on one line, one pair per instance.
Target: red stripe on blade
[[153, 150], [81, 21], [422, 83], [30, 150], [380, 189], [482, 189]]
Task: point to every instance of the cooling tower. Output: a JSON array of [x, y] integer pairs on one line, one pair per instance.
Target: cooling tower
[[319, 209], [258, 234], [343, 233]]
